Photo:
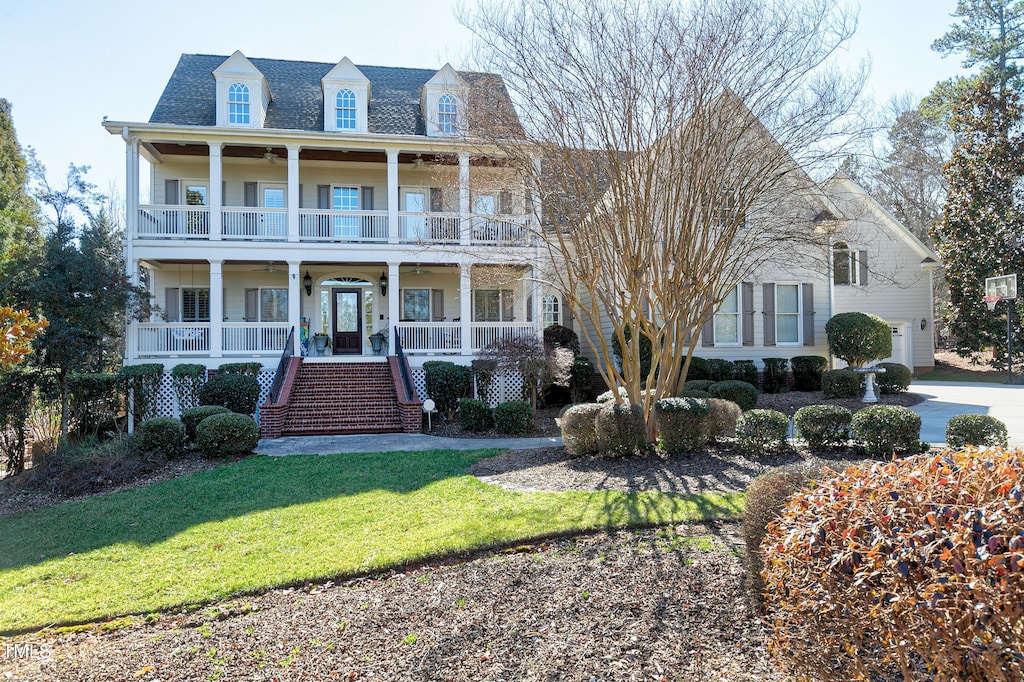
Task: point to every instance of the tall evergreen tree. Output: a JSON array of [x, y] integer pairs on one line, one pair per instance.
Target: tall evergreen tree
[[17, 209]]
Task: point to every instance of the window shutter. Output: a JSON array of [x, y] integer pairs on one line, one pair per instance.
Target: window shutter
[[769, 314], [367, 198], [808, 301], [224, 304], [707, 333], [302, 204], [252, 303], [250, 194], [747, 303], [172, 305], [437, 305], [508, 311], [436, 200], [862, 263], [170, 192], [504, 202], [223, 192], [529, 308], [323, 197]]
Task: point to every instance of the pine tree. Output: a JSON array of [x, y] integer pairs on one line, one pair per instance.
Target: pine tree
[[17, 209]]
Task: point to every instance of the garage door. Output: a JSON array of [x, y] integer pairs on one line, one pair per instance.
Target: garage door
[[899, 344]]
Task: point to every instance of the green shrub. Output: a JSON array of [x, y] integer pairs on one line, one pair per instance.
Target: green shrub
[[975, 429], [858, 338], [475, 415], [841, 383], [683, 424], [162, 435], [620, 430], [645, 352], [776, 371], [887, 429], [579, 429], [514, 417], [746, 371], [250, 369], [224, 435], [888, 568], [823, 426], [96, 401], [740, 392], [17, 397], [723, 417], [608, 396], [699, 370], [721, 370], [188, 378], [807, 371], [482, 372], [895, 379], [698, 385], [581, 378], [557, 336], [760, 430], [192, 417], [237, 392], [142, 383], [446, 383]]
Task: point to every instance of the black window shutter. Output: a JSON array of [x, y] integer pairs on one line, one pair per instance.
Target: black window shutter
[[302, 204], [172, 305], [504, 202], [252, 304], [250, 194], [170, 192], [808, 301], [508, 311], [223, 192], [367, 198], [323, 197], [437, 305], [769, 314], [529, 308], [862, 263], [436, 200], [747, 301]]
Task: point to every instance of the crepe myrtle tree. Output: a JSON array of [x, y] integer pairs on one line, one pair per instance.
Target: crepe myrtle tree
[[666, 142]]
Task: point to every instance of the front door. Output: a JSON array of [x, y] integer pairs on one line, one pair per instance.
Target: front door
[[348, 329]]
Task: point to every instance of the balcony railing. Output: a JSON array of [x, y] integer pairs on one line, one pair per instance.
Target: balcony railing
[[492, 229], [343, 226], [254, 337], [486, 333], [174, 338], [181, 222], [418, 337], [254, 223], [429, 228]]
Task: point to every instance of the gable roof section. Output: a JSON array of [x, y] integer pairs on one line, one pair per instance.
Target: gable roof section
[[189, 98]]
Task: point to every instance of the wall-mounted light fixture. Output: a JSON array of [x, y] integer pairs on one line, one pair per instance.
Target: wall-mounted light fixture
[[307, 282], [383, 283], [924, 323]]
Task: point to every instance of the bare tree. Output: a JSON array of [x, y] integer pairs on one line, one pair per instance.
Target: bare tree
[[669, 144]]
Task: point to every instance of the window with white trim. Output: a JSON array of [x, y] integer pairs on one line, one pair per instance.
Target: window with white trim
[[727, 320], [345, 109], [416, 305], [195, 304], [273, 304], [550, 313], [787, 314], [447, 114], [493, 305], [238, 104], [845, 268]]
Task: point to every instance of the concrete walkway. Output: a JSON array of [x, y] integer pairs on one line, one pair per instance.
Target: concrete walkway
[[945, 399], [393, 442]]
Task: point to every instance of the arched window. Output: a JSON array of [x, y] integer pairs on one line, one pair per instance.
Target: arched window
[[238, 104], [345, 109], [447, 112], [845, 266], [549, 310]]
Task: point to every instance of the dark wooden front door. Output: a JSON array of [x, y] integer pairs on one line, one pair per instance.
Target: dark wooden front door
[[348, 328]]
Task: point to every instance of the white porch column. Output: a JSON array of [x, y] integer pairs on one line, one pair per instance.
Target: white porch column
[[216, 309], [294, 301], [394, 295], [131, 199], [293, 193], [466, 306], [535, 312], [465, 223], [216, 189], [392, 199]]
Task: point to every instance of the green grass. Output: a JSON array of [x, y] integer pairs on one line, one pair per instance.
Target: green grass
[[953, 374], [270, 521]]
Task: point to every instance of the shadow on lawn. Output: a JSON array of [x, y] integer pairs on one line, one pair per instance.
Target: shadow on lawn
[[154, 513]]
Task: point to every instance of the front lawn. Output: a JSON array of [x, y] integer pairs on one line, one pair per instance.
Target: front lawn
[[271, 521]]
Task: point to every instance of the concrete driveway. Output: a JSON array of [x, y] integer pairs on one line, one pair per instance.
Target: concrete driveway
[[945, 399]]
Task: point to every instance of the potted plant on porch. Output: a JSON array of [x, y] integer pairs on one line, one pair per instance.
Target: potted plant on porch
[[320, 343], [378, 341]]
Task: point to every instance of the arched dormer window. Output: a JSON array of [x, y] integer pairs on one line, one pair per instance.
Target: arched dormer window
[[238, 104], [549, 310], [447, 113], [345, 109]]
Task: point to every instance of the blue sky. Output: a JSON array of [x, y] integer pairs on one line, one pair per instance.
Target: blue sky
[[67, 64]]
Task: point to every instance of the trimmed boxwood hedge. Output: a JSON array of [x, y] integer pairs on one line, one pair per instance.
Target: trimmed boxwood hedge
[[823, 426], [841, 383], [514, 417], [760, 430], [193, 416], [975, 429], [620, 430], [740, 392], [162, 435], [237, 392], [895, 379], [224, 435], [475, 415], [807, 371], [579, 429], [887, 429], [683, 424]]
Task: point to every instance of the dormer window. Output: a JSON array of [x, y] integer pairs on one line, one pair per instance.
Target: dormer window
[[345, 109], [238, 104], [447, 114]]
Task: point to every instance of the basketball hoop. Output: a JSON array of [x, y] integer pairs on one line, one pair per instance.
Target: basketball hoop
[[991, 302]]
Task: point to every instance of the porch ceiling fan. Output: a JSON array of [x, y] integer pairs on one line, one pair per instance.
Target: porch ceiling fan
[[269, 155], [418, 161], [420, 271], [269, 267]]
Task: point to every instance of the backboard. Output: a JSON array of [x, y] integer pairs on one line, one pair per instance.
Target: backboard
[[1004, 286]]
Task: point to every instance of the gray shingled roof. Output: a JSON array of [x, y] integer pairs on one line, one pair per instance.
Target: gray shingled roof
[[190, 95]]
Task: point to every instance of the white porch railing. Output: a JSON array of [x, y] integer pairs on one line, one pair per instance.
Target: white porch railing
[[486, 333], [254, 337], [419, 337], [492, 229], [355, 226], [185, 222], [425, 228], [173, 338], [254, 223]]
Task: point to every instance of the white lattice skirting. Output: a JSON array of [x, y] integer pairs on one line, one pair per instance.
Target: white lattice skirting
[[167, 402], [506, 386]]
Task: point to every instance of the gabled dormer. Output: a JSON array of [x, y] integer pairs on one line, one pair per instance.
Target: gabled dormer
[[346, 98], [443, 103], [242, 93]]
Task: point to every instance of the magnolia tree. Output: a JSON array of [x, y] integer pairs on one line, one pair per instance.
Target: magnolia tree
[[859, 338], [666, 143]]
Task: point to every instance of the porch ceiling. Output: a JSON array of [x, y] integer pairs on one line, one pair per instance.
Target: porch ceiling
[[315, 154]]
